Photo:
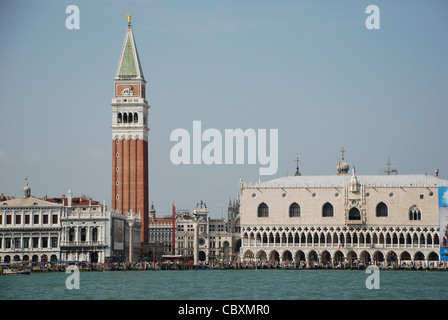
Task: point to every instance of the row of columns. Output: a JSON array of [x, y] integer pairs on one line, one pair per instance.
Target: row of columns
[[82, 256], [339, 255], [258, 241], [100, 236], [29, 240]]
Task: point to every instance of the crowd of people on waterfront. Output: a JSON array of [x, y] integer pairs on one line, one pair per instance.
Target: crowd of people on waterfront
[[224, 264]]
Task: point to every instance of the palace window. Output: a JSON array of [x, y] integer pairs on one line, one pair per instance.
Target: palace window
[[294, 210], [83, 234], [95, 234], [71, 234], [54, 242], [327, 210], [26, 243], [44, 242], [415, 213], [354, 214], [263, 210], [382, 210]]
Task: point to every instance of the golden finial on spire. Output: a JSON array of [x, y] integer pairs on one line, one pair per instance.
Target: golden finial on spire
[[128, 17]]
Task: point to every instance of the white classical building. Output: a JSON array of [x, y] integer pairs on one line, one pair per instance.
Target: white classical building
[[30, 229], [386, 219], [84, 229]]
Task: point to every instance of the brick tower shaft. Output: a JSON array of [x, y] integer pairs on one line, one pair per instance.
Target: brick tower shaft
[[130, 184]]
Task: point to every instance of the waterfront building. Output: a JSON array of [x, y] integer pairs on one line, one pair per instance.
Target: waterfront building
[[383, 219], [125, 234], [160, 235], [233, 225], [84, 229], [203, 238], [130, 184], [30, 229]]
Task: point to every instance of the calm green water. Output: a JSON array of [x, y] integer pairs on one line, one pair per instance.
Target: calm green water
[[227, 285]]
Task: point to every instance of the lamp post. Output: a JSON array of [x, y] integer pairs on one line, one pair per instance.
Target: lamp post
[[131, 221]]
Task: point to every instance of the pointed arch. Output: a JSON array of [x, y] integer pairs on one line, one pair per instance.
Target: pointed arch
[[355, 238], [313, 256], [365, 256], [419, 256], [375, 239], [300, 256], [378, 256], [415, 213], [405, 256], [274, 255], [433, 256], [354, 214], [382, 210], [248, 254], [287, 256], [327, 210], [263, 210], [262, 256], [294, 210], [325, 257]]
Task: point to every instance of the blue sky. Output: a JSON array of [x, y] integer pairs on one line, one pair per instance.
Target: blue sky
[[310, 69]]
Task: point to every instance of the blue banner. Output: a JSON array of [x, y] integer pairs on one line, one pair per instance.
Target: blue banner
[[443, 223], [443, 196], [444, 254]]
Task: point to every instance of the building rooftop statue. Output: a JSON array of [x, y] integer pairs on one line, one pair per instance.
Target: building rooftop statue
[[342, 167]]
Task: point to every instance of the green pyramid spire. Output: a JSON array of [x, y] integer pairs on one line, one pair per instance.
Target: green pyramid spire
[[129, 66]]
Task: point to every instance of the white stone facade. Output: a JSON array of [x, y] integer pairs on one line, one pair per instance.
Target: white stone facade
[[83, 236], [30, 229], [324, 219]]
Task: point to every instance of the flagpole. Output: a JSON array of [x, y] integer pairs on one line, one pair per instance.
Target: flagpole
[[173, 239]]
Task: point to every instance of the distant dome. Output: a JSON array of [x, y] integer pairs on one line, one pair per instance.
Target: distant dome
[[342, 167]]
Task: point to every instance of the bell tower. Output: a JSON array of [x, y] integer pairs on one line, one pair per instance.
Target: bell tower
[[130, 185]]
